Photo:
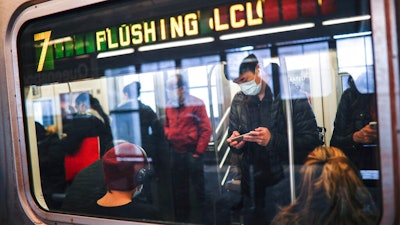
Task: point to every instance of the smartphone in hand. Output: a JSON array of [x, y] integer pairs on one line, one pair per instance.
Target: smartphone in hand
[[240, 137], [373, 124]]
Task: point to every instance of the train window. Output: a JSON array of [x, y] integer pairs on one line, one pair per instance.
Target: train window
[[44, 112], [355, 58], [173, 89]]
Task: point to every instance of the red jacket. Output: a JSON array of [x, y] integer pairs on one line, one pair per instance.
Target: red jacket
[[188, 127]]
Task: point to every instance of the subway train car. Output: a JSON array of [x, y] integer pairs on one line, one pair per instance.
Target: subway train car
[[80, 77]]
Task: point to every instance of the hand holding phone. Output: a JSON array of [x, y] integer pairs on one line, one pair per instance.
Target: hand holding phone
[[240, 137]]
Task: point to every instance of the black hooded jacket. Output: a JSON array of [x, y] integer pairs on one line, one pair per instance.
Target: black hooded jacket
[[353, 113], [248, 113]]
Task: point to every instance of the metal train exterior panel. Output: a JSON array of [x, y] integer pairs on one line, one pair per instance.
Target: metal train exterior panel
[[53, 51]]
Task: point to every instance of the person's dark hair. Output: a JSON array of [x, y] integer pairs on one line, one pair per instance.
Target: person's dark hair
[[361, 99], [276, 76], [176, 81], [180, 82], [131, 88], [331, 193], [350, 82], [82, 98], [95, 104], [248, 64]]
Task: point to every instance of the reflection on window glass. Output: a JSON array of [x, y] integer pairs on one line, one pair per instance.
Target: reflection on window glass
[[44, 112], [167, 120], [360, 70], [133, 115], [357, 75], [197, 135], [355, 56]]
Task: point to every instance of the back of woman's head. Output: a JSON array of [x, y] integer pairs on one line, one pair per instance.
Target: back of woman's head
[[329, 169], [331, 192]]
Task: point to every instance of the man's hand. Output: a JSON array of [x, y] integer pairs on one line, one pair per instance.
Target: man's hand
[[366, 135], [238, 144], [260, 135]]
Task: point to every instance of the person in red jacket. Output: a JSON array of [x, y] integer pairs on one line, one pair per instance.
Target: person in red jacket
[[188, 130]]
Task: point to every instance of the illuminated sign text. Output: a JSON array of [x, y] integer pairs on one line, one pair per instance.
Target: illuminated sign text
[[198, 23]]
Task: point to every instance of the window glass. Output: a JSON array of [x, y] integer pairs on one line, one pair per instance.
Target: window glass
[[112, 107], [355, 55], [44, 112]]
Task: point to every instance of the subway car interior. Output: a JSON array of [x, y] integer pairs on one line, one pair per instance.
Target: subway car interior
[[169, 78]]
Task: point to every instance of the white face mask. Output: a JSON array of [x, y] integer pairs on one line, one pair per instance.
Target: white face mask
[[250, 87]]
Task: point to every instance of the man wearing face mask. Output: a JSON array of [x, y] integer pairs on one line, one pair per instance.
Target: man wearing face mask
[[258, 112], [188, 130]]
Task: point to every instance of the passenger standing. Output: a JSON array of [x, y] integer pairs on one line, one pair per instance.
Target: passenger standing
[[86, 136], [352, 132], [256, 111], [133, 113], [89, 121], [331, 193], [136, 122], [188, 130]]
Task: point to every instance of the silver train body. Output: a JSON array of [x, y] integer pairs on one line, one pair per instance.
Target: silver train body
[[17, 202]]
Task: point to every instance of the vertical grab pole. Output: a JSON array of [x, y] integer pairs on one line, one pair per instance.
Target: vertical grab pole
[[287, 98], [289, 126], [209, 74]]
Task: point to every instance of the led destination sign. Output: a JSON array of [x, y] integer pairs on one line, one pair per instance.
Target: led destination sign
[[191, 25]]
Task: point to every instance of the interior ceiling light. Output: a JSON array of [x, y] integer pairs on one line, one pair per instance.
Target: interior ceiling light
[[115, 53], [341, 36], [266, 31], [346, 20], [176, 44]]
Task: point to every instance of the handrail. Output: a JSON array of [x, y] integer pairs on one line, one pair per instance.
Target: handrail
[[228, 149], [221, 143], [225, 176], [223, 119]]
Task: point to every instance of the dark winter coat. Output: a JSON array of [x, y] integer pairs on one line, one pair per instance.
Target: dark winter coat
[[82, 126], [151, 131], [248, 113], [131, 114], [353, 113]]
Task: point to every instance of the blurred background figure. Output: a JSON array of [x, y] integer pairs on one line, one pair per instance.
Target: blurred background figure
[[89, 121], [352, 132], [188, 130], [51, 164], [331, 193], [136, 122], [87, 135]]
